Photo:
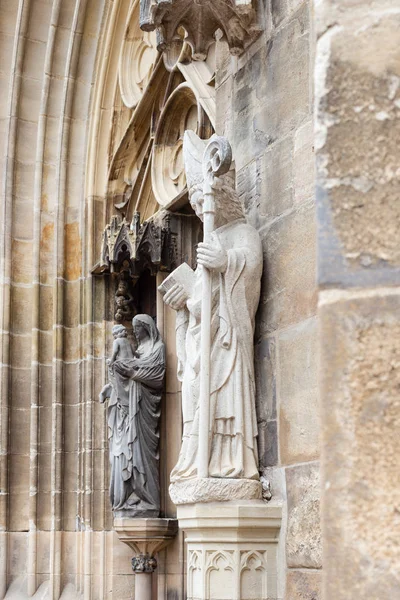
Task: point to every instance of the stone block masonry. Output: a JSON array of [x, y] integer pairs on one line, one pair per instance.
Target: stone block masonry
[[357, 79], [265, 107]]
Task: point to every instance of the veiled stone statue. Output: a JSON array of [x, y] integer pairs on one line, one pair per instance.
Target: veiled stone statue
[[233, 256], [134, 392]]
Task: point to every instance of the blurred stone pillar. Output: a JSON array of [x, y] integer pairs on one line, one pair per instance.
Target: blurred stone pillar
[[357, 84]]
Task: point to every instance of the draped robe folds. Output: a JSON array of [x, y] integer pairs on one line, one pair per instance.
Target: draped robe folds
[[133, 419], [235, 297]]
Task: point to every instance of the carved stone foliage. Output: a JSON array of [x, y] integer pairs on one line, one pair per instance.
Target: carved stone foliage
[[144, 563], [129, 248], [238, 19]]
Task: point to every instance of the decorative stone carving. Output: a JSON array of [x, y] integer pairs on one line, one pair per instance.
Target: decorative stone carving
[[144, 563], [145, 537], [119, 243], [131, 247], [231, 550], [238, 19], [161, 108], [134, 393], [137, 59], [124, 302], [215, 326], [180, 113], [266, 486]]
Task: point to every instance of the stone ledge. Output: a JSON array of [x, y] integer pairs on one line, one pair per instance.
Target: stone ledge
[[146, 536]]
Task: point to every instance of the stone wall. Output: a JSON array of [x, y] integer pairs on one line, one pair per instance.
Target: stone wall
[[265, 107], [357, 125], [54, 520]]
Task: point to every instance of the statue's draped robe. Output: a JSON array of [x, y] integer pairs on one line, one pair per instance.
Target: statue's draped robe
[[235, 296], [133, 420]]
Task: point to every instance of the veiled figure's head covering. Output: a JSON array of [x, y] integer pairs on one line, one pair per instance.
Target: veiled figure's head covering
[[148, 323]]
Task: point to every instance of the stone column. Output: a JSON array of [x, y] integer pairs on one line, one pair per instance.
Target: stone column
[[143, 566], [357, 80], [146, 537]]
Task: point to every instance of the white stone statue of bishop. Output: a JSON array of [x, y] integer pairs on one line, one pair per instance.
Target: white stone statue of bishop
[[233, 257]]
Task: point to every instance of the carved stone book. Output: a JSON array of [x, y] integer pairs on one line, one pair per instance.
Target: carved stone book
[[183, 275]]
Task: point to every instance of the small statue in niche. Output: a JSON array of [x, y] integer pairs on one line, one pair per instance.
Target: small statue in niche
[[134, 393], [124, 303]]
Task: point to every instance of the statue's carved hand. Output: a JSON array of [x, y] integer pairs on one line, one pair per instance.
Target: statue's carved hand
[[176, 297], [212, 256], [105, 393]]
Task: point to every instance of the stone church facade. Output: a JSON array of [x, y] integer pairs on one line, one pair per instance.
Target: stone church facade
[[94, 216]]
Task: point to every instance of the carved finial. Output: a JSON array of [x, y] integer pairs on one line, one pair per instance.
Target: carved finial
[[217, 158]]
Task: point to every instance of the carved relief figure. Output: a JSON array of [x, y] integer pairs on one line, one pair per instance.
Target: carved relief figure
[[234, 257], [122, 348], [124, 304], [134, 392]]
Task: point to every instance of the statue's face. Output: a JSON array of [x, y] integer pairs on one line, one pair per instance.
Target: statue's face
[[197, 201], [140, 331]]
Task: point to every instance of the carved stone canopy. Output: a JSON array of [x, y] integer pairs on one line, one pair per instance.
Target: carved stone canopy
[[133, 247], [239, 20]]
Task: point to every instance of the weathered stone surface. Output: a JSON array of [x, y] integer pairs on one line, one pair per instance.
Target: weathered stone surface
[[360, 414], [267, 443], [304, 163], [298, 393], [271, 92], [214, 490], [56, 146], [265, 372], [288, 293], [357, 149], [303, 585], [303, 538], [248, 182], [276, 175]]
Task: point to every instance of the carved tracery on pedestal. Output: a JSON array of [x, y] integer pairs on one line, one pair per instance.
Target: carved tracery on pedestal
[[239, 20]]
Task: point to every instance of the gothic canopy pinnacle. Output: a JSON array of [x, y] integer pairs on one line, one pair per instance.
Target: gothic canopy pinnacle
[[239, 20]]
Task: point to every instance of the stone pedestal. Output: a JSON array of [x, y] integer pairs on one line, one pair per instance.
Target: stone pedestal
[[146, 537], [231, 549]]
